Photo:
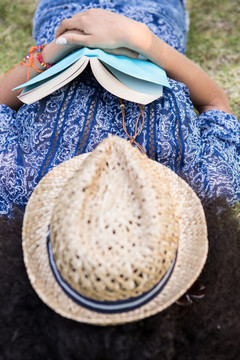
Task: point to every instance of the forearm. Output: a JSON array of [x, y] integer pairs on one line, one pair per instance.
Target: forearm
[[204, 92], [15, 77]]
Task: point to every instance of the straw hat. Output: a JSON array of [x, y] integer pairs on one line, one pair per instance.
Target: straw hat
[[111, 236]]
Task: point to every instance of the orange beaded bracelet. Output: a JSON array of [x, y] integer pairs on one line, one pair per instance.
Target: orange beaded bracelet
[[40, 59]]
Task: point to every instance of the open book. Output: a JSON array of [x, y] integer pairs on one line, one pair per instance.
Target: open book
[[135, 80]]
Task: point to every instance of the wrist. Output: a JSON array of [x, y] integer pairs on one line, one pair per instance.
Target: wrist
[[157, 51], [53, 53], [140, 38], [39, 63]]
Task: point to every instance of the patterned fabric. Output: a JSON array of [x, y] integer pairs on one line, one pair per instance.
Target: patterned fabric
[[204, 150]]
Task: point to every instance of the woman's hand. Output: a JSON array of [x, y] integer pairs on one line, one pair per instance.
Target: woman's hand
[[98, 28]]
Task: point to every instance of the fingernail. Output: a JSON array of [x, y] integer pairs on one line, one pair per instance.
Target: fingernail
[[61, 41]]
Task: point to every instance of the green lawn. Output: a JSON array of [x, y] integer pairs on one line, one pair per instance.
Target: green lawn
[[214, 43], [15, 31]]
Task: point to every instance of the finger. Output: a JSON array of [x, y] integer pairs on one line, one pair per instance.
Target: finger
[[63, 39], [80, 38], [122, 51], [66, 25]]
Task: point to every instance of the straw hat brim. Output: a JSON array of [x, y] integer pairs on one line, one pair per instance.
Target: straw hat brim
[[192, 250]]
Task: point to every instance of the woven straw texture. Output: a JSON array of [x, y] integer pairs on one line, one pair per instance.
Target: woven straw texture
[[117, 219]]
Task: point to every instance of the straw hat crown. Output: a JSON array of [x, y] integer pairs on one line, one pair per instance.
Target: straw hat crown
[[113, 229]]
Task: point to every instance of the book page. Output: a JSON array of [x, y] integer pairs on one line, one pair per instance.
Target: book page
[[114, 86], [38, 90], [136, 84], [131, 79]]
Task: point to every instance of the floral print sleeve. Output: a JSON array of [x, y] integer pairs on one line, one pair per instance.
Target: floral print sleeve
[[215, 168], [8, 157]]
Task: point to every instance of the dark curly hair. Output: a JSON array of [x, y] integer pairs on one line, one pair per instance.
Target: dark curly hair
[[207, 329]]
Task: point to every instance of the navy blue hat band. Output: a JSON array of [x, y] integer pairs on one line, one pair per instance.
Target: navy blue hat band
[[108, 307]]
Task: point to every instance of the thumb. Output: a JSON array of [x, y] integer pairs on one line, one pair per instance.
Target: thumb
[[70, 37]]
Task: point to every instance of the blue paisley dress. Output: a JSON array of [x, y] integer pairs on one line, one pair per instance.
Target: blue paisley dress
[[204, 150]]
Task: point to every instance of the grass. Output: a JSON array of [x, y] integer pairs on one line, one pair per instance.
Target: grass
[[15, 31], [214, 43]]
